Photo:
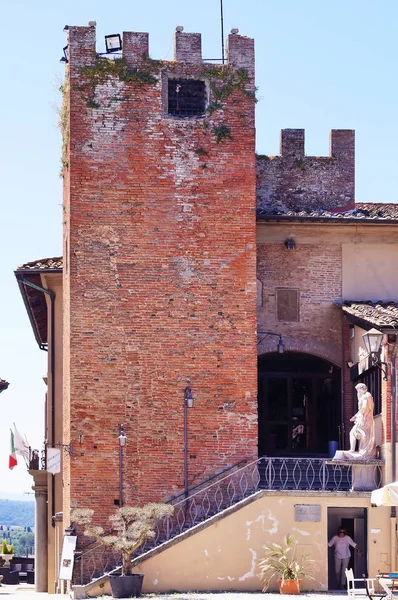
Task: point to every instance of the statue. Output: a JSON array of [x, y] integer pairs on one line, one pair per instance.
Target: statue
[[363, 428]]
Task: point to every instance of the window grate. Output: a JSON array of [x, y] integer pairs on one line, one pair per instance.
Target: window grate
[[186, 97]]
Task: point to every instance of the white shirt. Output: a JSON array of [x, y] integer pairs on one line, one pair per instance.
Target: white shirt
[[342, 546]]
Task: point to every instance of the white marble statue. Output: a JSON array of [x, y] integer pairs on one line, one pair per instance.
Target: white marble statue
[[362, 430]]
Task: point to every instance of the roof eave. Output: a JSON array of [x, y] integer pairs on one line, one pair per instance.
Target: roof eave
[[330, 220], [22, 287]]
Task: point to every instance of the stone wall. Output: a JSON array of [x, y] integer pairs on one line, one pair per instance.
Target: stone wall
[[294, 181]]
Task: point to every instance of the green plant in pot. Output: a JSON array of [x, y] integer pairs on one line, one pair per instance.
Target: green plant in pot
[[281, 562], [7, 552], [131, 527]]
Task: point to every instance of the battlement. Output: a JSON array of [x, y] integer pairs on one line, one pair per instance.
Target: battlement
[[294, 181], [341, 143], [187, 47]]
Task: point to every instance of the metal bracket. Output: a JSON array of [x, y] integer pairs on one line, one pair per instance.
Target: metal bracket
[[67, 448]]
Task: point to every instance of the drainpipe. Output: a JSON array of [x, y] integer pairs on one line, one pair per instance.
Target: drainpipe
[[393, 413], [393, 520], [21, 282]]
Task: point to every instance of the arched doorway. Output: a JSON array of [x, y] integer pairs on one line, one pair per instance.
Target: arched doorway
[[299, 404]]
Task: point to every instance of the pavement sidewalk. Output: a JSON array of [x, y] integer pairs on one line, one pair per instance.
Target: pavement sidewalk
[[27, 592]]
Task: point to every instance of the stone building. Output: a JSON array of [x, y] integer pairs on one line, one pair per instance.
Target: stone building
[[170, 287]]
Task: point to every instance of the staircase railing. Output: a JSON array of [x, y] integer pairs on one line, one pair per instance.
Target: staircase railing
[[266, 473]]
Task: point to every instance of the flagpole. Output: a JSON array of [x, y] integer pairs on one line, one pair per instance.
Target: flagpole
[[222, 31]]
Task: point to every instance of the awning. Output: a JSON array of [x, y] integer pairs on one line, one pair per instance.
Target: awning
[[386, 496]]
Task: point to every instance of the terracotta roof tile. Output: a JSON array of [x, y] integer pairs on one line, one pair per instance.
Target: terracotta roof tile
[[377, 314], [44, 264], [362, 211]]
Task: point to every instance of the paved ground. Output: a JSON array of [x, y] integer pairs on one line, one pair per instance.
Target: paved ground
[[27, 592]]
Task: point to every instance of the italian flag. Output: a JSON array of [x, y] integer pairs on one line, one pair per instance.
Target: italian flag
[[12, 461]]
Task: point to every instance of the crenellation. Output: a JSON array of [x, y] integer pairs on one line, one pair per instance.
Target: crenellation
[[342, 144], [292, 142], [240, 53], [294, 181], [187, 47], [81, 43], [135, 47]]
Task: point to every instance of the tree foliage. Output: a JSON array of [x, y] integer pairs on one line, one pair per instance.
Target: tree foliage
[[17, 513], [131, 527]]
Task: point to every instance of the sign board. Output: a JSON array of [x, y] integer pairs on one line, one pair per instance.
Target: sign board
[[307, 512], [67, 557], [53, 460]]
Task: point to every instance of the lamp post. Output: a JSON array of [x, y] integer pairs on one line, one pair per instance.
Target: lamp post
[[280, 345], [372, 340], [188, 403], [122, 442]]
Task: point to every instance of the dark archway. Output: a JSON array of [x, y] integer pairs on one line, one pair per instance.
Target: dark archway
[[299, 404]]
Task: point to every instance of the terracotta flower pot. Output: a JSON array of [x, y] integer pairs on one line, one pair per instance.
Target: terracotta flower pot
[[289, 586]]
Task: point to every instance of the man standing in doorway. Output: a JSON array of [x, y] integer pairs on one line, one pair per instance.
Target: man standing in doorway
[[342, 554]]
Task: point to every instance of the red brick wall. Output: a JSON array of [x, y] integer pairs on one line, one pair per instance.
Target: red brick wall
[[161, 284], [315, 270], [294, 181]]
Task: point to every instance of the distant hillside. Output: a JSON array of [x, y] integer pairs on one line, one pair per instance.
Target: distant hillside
[[14, 512]]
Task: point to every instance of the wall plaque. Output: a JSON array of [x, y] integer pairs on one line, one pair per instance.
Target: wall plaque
[[307, 512], [287, 304]]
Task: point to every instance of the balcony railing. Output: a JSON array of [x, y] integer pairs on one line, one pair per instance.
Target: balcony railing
[[283, 474]]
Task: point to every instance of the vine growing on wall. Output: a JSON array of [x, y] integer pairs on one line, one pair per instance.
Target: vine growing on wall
[[103, 68], [223, 81], [63, 123]]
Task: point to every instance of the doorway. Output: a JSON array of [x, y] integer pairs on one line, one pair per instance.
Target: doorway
[[299, 401], [354, 521]]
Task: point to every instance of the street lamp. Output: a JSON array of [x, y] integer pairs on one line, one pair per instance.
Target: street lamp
[[280, 345], [372, 340], [188, 403], [122, 442]]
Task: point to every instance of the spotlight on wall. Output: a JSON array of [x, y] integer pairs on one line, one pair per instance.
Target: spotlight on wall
[[113, 43], [234, 31], [179, 28], [350, 364], [290, 244], [65, 58]]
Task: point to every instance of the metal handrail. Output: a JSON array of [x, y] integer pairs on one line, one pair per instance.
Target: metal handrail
[[194, 487], [266, 473], [95, 544]]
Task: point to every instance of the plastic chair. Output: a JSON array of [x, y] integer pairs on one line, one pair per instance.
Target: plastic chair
[[367, 585]]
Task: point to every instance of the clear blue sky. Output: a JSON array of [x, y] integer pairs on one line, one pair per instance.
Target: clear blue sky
[[321, 64]]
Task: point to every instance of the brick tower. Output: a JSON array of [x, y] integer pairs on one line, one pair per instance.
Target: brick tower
[[159, 271]]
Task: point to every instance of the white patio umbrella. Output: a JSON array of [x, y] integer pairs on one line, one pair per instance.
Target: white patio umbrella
[[386, 496]]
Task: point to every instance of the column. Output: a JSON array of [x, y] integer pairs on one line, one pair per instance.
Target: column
[[41, 535]]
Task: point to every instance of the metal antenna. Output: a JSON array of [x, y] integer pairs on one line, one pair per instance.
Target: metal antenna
[[222, 32]]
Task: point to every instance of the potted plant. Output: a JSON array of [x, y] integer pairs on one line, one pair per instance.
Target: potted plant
[[7, 552], [281, 562], [131, 527]]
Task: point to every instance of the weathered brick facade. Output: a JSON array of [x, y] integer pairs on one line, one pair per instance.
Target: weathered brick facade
[[315, 271], [159, 272], [294, 181]]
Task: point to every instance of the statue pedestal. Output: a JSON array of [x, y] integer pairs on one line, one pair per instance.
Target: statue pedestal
[[365, 478]]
